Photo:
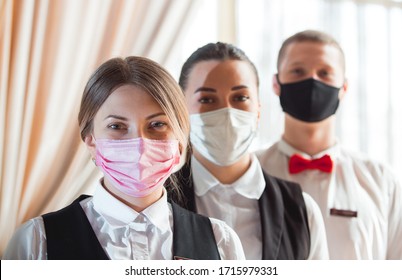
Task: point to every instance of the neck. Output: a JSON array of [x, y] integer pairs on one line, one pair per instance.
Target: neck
[[225, 174], [136, 203], [310, 138]]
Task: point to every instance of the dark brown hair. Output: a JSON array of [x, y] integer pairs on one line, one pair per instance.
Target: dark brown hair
[[214, 51]]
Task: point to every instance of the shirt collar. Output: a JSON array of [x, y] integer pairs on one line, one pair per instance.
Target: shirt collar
[[159, 212], [250, 185], [203, 179], [288, 150], [118, 214]]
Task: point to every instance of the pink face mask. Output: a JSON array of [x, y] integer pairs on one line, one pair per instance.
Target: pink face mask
[[139, 166]]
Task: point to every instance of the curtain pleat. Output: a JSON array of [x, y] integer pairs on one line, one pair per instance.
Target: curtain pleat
[[6, 194]]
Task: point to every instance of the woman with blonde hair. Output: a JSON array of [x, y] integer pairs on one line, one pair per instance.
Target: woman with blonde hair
[[135, 125]]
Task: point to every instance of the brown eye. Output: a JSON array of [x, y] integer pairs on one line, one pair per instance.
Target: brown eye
[[158, 125], [324, 73], [297, 71], [205, 100], [116, 126], [241, 98]]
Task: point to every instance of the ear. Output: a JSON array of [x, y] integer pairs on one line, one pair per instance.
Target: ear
[[344, 89], [91, 145], [275, 85], [184, 153], [258, 111]]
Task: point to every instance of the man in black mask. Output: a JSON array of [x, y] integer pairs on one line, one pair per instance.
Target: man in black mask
[[360, 200]]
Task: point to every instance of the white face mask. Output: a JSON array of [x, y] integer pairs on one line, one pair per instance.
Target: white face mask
[[223, 136]]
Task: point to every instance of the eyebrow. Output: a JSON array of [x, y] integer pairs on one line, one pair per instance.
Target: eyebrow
[[155, 115], [125, 119], [239, 87], [301, 63], [297, 63], [207, 89], [116, 117]]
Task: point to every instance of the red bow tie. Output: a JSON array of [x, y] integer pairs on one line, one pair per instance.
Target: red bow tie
[[298, 164]]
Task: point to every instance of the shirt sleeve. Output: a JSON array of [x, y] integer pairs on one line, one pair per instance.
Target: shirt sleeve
[[394, 246], [28, 242], [318, 237], [228, 242]]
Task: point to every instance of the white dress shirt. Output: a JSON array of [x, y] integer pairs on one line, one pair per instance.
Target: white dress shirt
[[123, 232], [237, 205], [356, 186]]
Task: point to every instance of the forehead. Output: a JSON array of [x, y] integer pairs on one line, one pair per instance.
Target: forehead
[[215, 72], [130, 100], [312, 54]]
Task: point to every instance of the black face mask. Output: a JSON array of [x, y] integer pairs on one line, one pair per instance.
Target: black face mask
[[309, 100]]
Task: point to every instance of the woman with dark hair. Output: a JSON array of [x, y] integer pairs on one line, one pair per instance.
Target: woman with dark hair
[[134, 122], [273, 218]]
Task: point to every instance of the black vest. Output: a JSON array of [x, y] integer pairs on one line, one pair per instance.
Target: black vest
[[284, 223], [70, 236]]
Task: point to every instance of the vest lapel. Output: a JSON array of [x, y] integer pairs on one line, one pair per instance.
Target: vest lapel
[[271, 211], [285, 231], [193, 236], [70, 235], [272, 219]]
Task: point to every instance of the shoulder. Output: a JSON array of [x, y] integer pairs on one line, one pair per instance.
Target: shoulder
[[273, 160], [368, 169], [362, 161], [287, 188], [28, 242], [228, 242], [59, 216], [279, 181], [32, 227], [266, 153]]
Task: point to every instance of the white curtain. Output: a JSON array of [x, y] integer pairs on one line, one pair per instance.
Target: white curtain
[[370, 32], [48, 49]]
